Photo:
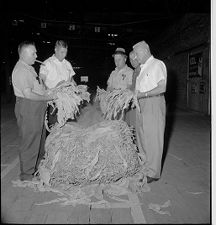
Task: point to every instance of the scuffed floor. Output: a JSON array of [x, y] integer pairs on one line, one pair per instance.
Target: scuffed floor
[[182, 195]]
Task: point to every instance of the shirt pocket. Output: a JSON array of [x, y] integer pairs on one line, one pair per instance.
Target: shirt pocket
[[38, 88]]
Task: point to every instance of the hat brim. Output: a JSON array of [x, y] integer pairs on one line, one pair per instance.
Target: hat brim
[[119, 53]]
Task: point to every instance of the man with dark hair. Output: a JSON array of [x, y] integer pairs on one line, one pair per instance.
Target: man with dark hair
[[54, 71], [30, 107], [150, 122]]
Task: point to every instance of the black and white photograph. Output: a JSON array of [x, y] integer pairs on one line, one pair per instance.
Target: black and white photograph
[[108, 112]]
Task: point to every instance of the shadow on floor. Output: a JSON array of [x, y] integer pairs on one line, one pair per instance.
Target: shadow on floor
[[170, 121]]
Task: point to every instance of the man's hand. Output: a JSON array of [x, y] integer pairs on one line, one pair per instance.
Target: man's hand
[[139, 94], [109, 88], [50, 95], [60, 82]]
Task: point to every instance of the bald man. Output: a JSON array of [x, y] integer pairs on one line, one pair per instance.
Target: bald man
[[150, 122], [31, 99]]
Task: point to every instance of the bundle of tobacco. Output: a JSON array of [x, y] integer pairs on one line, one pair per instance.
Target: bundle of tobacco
[[114, 103], [69, 97], [101, 153]]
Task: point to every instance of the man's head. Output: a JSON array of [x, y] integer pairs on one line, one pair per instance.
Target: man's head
[[27, 52], [61, 49], [120, 57], [133, 59], [142, 51]]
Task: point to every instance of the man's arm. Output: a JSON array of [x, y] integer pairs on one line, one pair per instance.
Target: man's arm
[[43, 78], [109, 83], [43, 73], [161, 88], [71, 74], [109, 88], [73, 81], [29, 94]]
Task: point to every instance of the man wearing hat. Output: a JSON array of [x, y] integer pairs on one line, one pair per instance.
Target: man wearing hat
[[121, 77], [150, 122]]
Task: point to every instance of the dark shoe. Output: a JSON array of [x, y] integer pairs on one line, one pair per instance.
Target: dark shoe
[[26, 177], [151, 179]]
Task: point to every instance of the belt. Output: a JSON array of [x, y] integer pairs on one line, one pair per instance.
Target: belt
[[154, 96]]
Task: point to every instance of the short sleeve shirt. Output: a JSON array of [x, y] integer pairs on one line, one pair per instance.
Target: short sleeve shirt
[[25, 76], [120, 79], [153, 71], [56, 71]]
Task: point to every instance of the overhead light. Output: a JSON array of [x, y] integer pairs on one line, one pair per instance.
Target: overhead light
[[72, 27], [47, 42], [97, 29], [113, 35], [43, 25], [14, 23]]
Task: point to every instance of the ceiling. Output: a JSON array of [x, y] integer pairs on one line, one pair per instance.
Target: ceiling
[[136, 18], [58, 8], [77, 21]]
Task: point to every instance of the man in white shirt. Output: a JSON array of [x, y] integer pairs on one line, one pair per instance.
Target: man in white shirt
[[150, 122], [56, 70], [121, 77]]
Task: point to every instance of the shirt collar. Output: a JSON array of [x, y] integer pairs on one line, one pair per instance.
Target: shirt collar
[[56, 59], [25, 64], [117, 70], [147, 61]]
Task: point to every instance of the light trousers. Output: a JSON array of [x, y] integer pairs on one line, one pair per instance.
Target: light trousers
[[150, 126]]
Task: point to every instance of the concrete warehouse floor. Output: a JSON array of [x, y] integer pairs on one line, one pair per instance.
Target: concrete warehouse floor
[[185, 179]]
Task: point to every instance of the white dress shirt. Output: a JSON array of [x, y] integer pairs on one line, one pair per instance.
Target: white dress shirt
[[56, 71], [152, 71]]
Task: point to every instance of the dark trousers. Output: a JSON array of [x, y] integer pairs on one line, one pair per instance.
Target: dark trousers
[[41, 153], [30, 119], [51, 115]]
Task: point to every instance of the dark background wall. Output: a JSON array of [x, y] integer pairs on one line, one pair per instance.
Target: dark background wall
[[172, 36], [190, 35]]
